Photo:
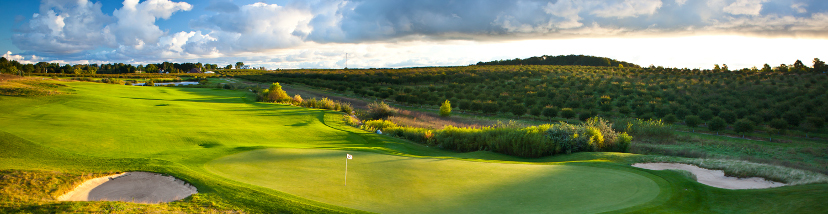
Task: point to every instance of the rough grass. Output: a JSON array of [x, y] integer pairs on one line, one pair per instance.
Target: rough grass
[[27, 87]]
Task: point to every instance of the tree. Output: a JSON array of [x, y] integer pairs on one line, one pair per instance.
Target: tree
[[743, 126], [792, 118], [706, 114], [766, 68], [550, 112], [779, 124], [239, 65], [445, 109], [819, 66], [518, 110], [670, 119], [228, 67], [567, 113], [716, 68], [151, 68], [276, 94], [728, 116], [536, 111], [692, 121], [717, 124], [798, 66]]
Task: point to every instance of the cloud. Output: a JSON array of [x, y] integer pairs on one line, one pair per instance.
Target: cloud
[[745, 7], [78, 29], [63, 27], [136, 22], [627, 8]]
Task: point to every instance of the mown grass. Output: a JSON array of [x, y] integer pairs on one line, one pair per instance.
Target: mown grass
[[103, 128]]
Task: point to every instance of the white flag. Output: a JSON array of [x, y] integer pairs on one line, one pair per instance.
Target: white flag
[[348, 156]]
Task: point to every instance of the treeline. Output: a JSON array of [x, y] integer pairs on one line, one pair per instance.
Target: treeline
[[563, 60], [14, 67]]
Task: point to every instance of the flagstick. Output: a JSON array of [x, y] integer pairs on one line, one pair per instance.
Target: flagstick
[[346, 171]]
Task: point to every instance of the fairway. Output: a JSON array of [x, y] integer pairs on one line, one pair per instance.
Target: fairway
[[393, 184]]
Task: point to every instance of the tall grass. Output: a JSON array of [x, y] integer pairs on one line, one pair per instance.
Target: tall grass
[[644, 129]]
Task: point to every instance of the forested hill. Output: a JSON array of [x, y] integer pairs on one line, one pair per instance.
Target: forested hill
[[563, 60]]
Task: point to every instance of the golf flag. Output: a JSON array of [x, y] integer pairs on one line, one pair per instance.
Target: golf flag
[[348, 156]]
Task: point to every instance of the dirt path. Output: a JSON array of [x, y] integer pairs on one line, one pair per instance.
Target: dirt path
[[714, 178], [139, 187]]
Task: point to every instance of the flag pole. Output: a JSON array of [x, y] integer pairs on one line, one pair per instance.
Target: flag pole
[[346, 171]]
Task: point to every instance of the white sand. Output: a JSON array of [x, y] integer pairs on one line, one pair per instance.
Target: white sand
[[714, 178], [139, 187]]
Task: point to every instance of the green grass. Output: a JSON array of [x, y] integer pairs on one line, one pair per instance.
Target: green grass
[[392, 184], [236, 152]]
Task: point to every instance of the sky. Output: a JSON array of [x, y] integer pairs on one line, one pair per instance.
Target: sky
[[405, 33]]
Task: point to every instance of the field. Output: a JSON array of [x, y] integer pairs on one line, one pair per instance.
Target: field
[[256, 157]]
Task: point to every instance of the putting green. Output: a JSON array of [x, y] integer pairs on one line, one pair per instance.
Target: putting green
[[394, 184]]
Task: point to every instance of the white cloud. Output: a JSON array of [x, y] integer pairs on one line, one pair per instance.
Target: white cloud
[[63, 27], [745, 7], [258, 26], [136, 22], [681, 2], [627, 8], [799, 7], [566, 9]]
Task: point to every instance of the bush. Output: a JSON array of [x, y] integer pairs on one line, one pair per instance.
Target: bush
[[275, 94], [445, 109], [380, 110], [779, 124], [533, 141], [644, 129], [692, 121], [623, 142]]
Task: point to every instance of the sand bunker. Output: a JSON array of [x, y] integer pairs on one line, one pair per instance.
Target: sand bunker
[[714, 178], [138, 187]]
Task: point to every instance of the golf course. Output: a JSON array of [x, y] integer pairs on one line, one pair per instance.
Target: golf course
[[255, 157]]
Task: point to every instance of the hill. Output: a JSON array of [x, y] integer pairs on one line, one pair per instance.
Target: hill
[[563, 60]]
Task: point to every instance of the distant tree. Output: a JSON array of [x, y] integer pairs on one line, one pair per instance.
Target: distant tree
[[585, 115], [445, 109], [151, 68], [724, 68], [728, 116], [766, 68], [792, 118], [716, 124], [536, 111], [743, 126], [716, 68], [692, 121], [239, 65], [782, 68], [779, 124], [550, 112], [670, 119], [567, 113], [276, 94], [819, 65], [818, 122], [706, 114], [228, 67], [518, 110], [798, 66]]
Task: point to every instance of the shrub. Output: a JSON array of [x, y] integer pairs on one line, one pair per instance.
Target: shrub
[[351, 120], [792, 118], [728, 116], [623, 142], [275, 94], [445, 109], [346, 107], [518, 110], [645, 129], [584, 116], [380, 110], [779, 124], [297, 100]]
